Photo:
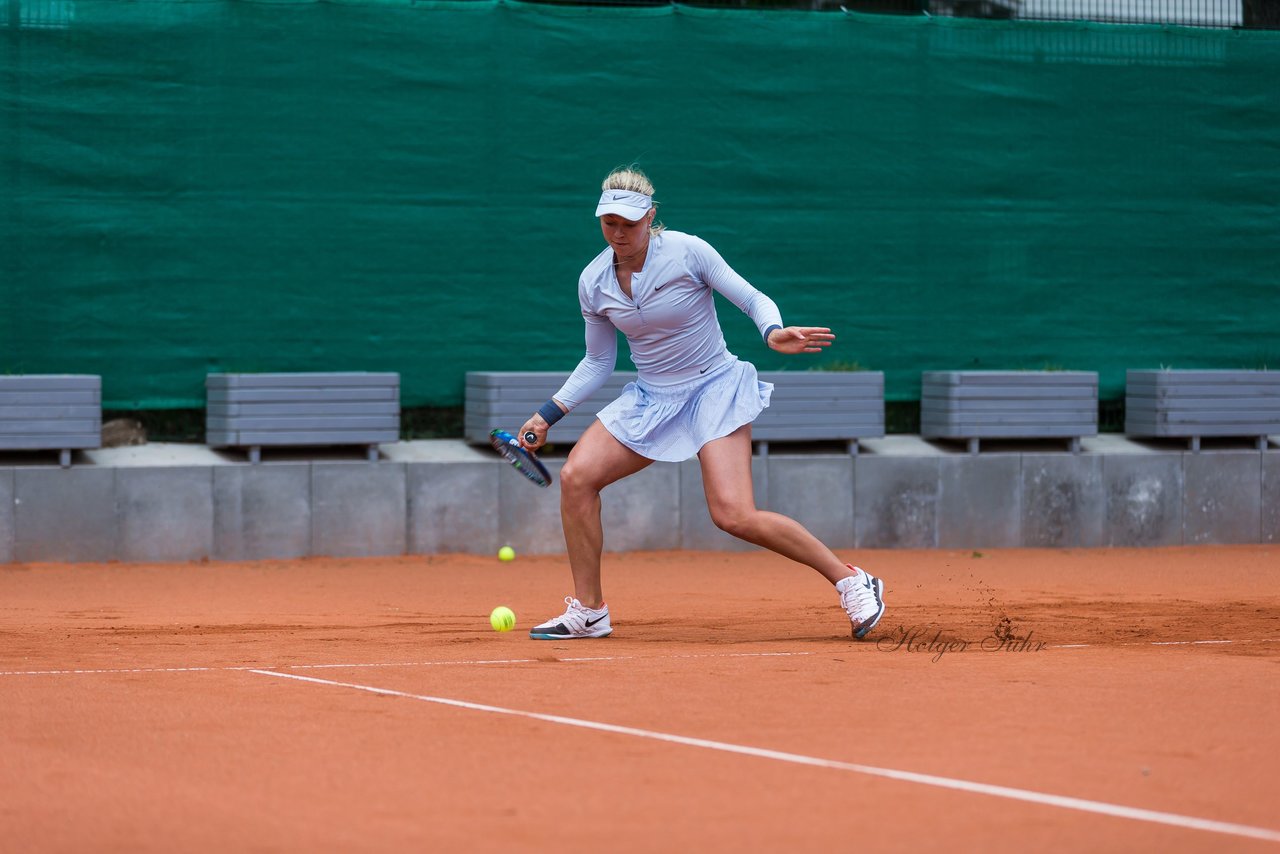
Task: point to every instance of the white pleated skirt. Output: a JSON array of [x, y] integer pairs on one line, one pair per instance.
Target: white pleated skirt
[[672, 423]]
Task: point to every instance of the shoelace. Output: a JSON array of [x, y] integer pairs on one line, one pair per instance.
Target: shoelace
[[859, 598], [576, 614]]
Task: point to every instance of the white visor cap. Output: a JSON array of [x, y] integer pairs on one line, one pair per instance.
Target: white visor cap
[[624, 203]]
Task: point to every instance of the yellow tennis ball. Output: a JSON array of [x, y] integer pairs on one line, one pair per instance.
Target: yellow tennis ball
[[506, 553], [503, 619]]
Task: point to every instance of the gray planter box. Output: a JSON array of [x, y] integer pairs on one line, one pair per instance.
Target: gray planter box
[[816, 406], [254, 411], [50, 412], [504, 400], [976, 405], [1192, 404], [806, 405]]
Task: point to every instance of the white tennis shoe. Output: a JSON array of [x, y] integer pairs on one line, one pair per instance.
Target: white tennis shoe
[[577, 621], [862, 597]]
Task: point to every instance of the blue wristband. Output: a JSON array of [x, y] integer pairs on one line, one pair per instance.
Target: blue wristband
[[551, 412], [769, 332]]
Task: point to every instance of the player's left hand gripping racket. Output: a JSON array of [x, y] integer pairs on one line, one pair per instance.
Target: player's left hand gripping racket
[[520, 457]]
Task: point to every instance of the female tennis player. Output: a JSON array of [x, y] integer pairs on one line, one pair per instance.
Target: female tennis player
[[691, 396]]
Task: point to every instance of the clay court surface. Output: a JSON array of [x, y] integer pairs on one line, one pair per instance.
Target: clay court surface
[[1012, 700]]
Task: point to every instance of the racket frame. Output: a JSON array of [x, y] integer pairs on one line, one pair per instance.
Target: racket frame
[[524, 460]]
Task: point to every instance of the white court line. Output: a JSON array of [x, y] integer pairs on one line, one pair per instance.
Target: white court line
[[1160, 643], [422, 663], [582, 659], [575, 660], [1185, 643], [1043, 798], [118, 670]]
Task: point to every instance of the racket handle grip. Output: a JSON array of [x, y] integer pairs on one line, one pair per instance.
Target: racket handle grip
[[531, 437]]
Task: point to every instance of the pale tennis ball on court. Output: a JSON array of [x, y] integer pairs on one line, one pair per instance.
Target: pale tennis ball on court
[[506, 553], [503, 619]]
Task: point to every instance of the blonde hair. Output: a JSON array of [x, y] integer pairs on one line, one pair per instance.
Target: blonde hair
[[630, 178]]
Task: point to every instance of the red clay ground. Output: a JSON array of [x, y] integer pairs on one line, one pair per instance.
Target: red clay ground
[[156, 708]]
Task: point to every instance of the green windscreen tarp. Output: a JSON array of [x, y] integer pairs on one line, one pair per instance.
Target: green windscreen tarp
[[197, 187]]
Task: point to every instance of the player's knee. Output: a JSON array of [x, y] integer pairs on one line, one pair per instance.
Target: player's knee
[[736, 521], [574, 480]]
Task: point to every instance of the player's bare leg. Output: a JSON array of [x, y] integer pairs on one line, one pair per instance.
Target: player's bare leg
[[726, 478], [596, 461]]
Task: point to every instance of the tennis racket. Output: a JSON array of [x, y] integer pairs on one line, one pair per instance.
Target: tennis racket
[[520, 457]]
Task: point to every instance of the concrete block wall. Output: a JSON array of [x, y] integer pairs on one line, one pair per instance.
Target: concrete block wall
[[6, 516], [1270, 503], [262, 511], [1144, 497], [993, 522], [66, 515], [181, 503]]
